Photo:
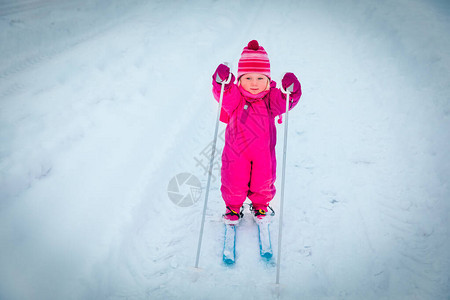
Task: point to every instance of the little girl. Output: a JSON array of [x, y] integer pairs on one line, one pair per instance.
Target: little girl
[[249, 107]]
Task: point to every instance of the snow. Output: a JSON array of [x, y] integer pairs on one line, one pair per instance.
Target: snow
[[102, 103]]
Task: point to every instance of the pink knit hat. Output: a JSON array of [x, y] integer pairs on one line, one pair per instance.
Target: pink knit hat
[[254, 59]]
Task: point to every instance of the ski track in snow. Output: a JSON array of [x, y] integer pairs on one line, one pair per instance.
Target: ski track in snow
[[95, 124]]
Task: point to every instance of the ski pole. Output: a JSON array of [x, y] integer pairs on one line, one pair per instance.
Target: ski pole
[[222, 89], [288, 91]]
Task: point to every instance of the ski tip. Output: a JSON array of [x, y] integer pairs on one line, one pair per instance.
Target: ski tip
[[228, 261], [266, 255]]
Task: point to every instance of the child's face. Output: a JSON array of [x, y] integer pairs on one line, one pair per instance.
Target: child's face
[[254, 83]]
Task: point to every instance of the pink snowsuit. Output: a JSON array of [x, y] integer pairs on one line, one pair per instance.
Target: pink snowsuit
[[248, 158]]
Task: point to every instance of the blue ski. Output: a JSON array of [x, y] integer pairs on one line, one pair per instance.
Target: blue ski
[[229, 245], [265, 245]]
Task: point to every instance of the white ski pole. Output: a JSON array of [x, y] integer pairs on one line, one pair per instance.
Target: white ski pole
[[222, 89], [288, 91]]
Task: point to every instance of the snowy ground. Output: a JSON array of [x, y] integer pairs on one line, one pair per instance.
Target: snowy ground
[[102, 104]]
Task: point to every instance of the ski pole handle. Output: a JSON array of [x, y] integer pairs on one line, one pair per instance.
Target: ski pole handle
[[289, 89], [287, 92], [222, 90]]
